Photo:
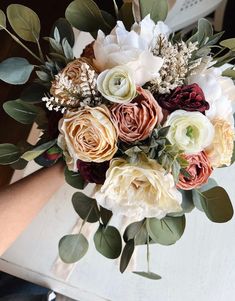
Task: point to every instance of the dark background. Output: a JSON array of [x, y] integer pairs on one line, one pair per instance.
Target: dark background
[[48, 12]]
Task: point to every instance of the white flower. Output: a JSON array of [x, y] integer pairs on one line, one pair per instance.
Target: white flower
[[219, 91], [138, 190], [122, 47], [117, 84], [189, 131]]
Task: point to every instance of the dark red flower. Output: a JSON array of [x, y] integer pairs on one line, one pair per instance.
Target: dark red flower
[[189, 98], [93, 172]]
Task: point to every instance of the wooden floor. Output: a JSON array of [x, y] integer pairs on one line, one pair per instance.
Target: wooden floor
[[11, 131]]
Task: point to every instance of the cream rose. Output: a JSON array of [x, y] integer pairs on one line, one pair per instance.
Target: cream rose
[[87, 135], [221, 150], [191, 132], [117, 84], [138, 190]]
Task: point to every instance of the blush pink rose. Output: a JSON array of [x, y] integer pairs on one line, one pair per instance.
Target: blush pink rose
[[199, 169], [136, 120]]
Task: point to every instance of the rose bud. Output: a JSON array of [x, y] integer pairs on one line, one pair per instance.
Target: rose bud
[[93, 172], [189, 98]]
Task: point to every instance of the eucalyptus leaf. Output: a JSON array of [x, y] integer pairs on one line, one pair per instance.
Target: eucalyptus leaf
[[85, 207], [105, 215], [167, 230], [228, 43], [205, 29], [24, 21], [126, 15], [157, 9], [38, 150], [2, 20], [33, 93], [136, 231], [108, 241], [187, 203], [109, 19], [127, 254], [217, 205], [22, 112], [68, 51], [74, 179], [15, 70], [65, 31], [9, 153], [19, 165], [90, 18], [229, 73], [73, 247], [44, 76], [148, 275]]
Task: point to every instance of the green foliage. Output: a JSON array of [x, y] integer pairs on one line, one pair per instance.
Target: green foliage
[[65, 31], [126, 15], [229, 43], [127, 254], [24, 21], [37, 150], [167, 230], [85, 207], [19, 164], [74, 179], [33, 93], [148, 275], [136, 231], [2, 20], [108, 241], [73, 247], [90, 17], [105, 215], [9, 153], [229, 73], [157, 9], [15, 70], [22, 112]]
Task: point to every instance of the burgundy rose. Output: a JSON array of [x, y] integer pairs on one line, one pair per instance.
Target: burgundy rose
[[93, 172], [189, 98]]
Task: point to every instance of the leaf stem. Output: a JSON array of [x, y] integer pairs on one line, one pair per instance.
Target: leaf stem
[[85, 220], [22, 45]]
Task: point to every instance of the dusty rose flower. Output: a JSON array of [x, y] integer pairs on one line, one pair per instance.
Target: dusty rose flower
[[199, 170], [136, 120], [188, 98], [93, 172], [88, 135]]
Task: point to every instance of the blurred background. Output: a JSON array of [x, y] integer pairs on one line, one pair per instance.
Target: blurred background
[[183, 13]]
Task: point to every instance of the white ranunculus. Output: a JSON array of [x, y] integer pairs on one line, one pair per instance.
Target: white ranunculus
[[117, 84], [191, 132], [128, 48], [138, 190], [219, 91]]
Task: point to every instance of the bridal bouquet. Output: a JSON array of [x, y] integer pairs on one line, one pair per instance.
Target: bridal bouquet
[[144, 114]]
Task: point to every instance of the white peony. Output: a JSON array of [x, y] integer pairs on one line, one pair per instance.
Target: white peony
[[128, 48], [191, 132], [219, 91], [138, 190]]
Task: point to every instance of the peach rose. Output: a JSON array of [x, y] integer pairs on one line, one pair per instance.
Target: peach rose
[[221, 150], [199, 170], [136, 120], [87, 135]]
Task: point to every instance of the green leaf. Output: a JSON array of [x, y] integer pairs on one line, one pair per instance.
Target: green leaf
[[20, 111], [108, 241], [85, 207], [197, 193], [33, 93], [15, 70], [74, 179], [127, 254], [105, 215], [9, 153], [167, 230], [205, 29], [65, 31], [157, 9], [228, 43], [109, 19], [67, 49], [217, 205], [2, 20], [148, 275], [126, 15], [73, 247], [229, 73], [38, 150], [19, 165], [136, 231], [24, 21], [85, 15], [187, 203]]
